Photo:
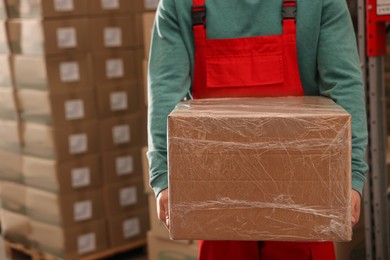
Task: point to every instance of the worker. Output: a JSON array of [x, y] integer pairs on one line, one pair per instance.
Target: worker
[[253, 48]]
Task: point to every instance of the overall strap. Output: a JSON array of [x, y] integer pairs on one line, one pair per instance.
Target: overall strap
[[289, 15]]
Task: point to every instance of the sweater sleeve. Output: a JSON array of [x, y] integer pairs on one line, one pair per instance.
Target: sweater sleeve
[[168, 83], [340, 78]]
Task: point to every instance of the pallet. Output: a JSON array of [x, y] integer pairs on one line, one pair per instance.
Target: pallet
[[16, 251]]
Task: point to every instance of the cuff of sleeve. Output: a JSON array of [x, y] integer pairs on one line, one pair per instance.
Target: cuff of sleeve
[[160, 183], [358, 182]]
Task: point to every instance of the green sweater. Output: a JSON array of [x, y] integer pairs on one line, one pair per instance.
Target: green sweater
[[327, 52]]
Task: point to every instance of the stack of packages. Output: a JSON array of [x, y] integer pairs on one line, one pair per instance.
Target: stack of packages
[[74, 68], [13, 213], [159, 244], [116, 51]]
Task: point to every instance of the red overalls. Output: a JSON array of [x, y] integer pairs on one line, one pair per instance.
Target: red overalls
[[251, 67]]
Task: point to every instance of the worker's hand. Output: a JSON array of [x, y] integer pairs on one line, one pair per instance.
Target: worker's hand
[[162, 207], [355, 207]]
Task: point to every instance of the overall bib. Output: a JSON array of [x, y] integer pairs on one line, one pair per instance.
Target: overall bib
[[260, 66]]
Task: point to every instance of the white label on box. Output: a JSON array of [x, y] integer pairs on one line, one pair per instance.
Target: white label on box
[[128, 196], [63, 5], [86, 243], [78, 143], [112, 37], [151, 4], [121, 134], [110, 4], [114, 68], [81, 177], [82, 210], [131, 228], [124, 165], [118, 101], [66, 38], [69, 71], [74, 109]]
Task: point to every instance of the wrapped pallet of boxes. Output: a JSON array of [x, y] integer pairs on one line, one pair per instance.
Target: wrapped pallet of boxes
[[260, 169]]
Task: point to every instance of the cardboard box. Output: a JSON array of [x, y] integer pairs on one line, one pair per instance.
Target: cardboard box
[[58, 74], [115, 101], [121, 165], [124, 197], [281, 166], [69, 242], [128, 227], [151, 5], [13, 197], [60, 143], [114, 67], [112, 32], [64, 210], [8, 107], [35, 36], [57, 109], [145, 170], [159, 248], [15, 227], [113, 7], [5, 72], [157, 228], [11, 166], [45, 8], [148, 22], [120, 132], [4, 49], [3, 11], [63, 178], [10, 136]]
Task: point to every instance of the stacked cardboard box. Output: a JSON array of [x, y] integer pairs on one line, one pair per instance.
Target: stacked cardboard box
[[75, 70], [12, 192], [116, 36]]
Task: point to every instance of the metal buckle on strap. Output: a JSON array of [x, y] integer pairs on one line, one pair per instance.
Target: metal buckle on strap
[[199, 15], [289, 11]]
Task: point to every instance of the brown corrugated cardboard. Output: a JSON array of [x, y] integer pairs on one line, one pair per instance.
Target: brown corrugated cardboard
[[148, 22], [10, 135], [159, 248], [145, 170], [60, 143], [151, 5], [121, 165], [64, 210], [13, 197], [128, 227], [120, 132], [124, 196], [35, 36], [114, 6], [112, 32], [269, 169], [4, 49], [3, 11], [115, 101], [8, 106], [11, 166], [45, 8], [114, 67], [156, 226], [63, 178], [60, 73], [15, 227], [69, 242], [5, 72], [56, 109]]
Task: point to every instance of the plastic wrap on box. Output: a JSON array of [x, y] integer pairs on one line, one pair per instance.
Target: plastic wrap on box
[[260, 169]]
